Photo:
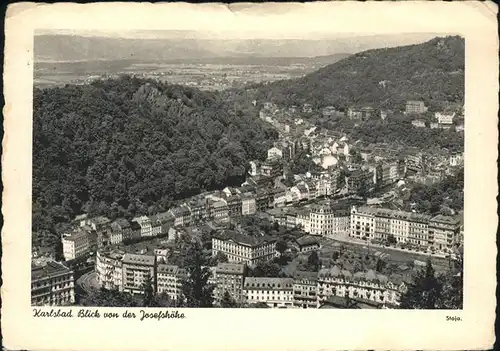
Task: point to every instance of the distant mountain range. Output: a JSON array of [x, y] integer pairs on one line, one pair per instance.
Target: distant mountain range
[[58, 48], [386, 78]]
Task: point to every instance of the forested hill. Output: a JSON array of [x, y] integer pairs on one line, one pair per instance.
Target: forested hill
[[384, 78], [128, 146]]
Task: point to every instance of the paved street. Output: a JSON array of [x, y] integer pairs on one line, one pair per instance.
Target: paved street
[[88, 281]]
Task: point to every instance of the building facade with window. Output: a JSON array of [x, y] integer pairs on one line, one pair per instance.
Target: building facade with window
[[75, 244], [304, 289], [52, 284], [136, 271], [440, 232], [248, 204], [417, 107], [240, 248], [169, 280], [229, 278], [360, 285], [330, 219], [275, 292], [444, 232], [109, 269], [146, 227]]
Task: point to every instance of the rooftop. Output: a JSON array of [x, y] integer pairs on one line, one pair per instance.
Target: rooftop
[[47, 269], [141, 219], [123, 223], [384, 212], [75, 235], [112, 253], [242, 239], [453, 220], [180, 211], [307, 240], [268, 283], [100, 220], [231, 268], [170, 269], [139, 259]]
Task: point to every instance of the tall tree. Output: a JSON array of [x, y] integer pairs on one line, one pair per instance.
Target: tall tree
[[380, 265], [196, 289], [424, 292], [162, 300], [148, 291], [281, 246], [109, 298], [453, 285], [313, 262], [228, 301], [221, 257]]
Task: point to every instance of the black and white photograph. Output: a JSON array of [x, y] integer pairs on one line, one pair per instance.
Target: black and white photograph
[[282, 176], [172, 169]]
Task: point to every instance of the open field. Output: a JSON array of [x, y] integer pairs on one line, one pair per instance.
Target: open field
[[210, 76]]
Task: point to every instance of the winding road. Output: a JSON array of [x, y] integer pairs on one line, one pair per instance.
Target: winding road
[[88, 281]]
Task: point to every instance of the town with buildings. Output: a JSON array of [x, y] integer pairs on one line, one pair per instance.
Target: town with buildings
[[342, 225]]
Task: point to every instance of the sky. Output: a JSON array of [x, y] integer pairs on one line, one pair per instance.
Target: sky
[[191, 34]]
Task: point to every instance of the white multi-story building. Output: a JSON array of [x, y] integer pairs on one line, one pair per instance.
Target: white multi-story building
[[248, 204], [419, 123], [444, 232], [52, 284], [156, 225], [305, 289], [329, 219], [182, 216], [363, 223], [406, 227], [136, 270], [275, 153], [303, 220], [378, 223], [146, 227], [456, 159], [275, 292], [229, 278], [169, 280], [109, 269], [240, 248], [368, 286], [415, 107], [75, 244], [443, 118]]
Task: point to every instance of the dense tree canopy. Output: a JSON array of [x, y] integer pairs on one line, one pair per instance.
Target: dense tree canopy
[[447, 193], [109, 298], [431, 291], [119, 147]]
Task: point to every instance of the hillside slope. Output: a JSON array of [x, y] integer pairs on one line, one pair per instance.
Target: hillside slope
[[385, 78], [128, 146]]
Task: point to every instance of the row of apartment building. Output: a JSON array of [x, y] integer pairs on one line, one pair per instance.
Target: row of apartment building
[[306, 289], [129, 272], [117, 270], [440, 232], [340, 219], [96, 233]]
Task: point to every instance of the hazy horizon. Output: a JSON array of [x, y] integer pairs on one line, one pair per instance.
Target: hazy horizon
[[70, 45]]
